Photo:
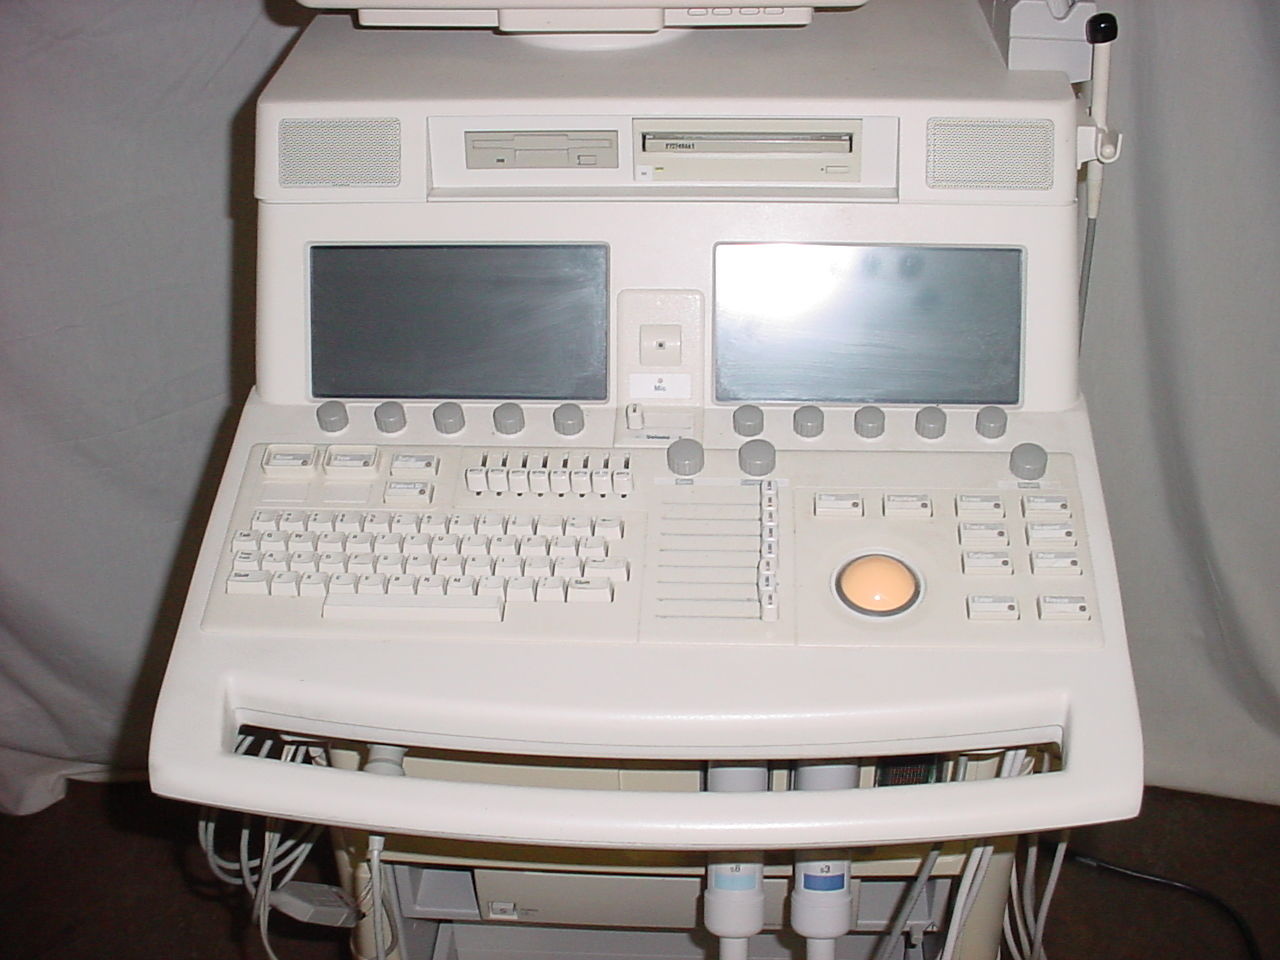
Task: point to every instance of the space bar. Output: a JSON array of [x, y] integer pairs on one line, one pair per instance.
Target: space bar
[[357, 606]]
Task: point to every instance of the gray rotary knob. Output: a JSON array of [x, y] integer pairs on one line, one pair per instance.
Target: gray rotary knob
[[757, 458], [508, 418], [991, 422], [685, 457], [931, 422], [808, 421], [1028, 461], [389, 416], [748, 421], [868, 422], [449, 417], [568, 419], [332, 416]]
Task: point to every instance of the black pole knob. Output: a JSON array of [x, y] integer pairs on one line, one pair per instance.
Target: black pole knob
[[1101, 28]]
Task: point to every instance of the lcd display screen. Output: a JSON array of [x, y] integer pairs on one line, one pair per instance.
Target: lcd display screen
[[465, 321], [867, 324]]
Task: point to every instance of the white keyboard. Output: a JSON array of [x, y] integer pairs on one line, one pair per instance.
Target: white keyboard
[[371, 563]]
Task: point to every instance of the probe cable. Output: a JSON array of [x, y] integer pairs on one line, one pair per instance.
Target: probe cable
[[1246, 932]]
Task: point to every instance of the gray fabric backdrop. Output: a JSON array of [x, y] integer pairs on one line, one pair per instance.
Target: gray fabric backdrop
[[126, 251]]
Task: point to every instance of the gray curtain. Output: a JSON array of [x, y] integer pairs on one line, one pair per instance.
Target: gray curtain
[[126, 251]]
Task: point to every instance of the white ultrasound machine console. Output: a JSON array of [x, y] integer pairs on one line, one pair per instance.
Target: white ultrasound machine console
[[667, 460]]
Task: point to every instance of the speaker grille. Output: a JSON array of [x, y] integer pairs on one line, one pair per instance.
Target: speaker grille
[[989, 154], [340, 153]]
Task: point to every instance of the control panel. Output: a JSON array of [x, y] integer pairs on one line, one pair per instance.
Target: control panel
[[905, 547]]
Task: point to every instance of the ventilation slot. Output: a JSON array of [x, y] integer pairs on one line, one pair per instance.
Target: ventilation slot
[[977, 154], [340, 153]]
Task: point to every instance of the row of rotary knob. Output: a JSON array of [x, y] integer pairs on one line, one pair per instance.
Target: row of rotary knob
[[868, 422], [758, 458], [449, 418]]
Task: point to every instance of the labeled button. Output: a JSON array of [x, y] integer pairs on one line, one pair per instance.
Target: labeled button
[[1064, 607], [977, 534], [987, 562], [289, 461], [348, 462], [1044, 506], [979, 506], [1055, 563], [917, 506], [992, 607], [1046, 533], [407, 491], [414, 465], [837, 505]]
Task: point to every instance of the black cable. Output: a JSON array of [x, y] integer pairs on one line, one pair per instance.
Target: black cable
[[1246, 932]]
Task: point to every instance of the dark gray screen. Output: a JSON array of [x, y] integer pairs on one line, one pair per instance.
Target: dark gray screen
[[460, 321], [867, 324]]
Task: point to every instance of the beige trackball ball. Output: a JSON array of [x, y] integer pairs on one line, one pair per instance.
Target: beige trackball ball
[[878, 585]]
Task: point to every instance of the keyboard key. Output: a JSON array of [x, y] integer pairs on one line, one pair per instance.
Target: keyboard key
[[462, 585], [491, 524], [332, 562], [401, 584], [432, 586], [534, 546], [275, 560], [418, 562], [550, 590], [389, 563], [577, 526], [421, 607], [614, 568], [304, 561], [567, 567], [462, 523], [248, 583], [265, 520], [434, 524], [537, 566], [445, 544], [491, 587], [244, 540], [336, 542], [549, 525], [404, 523], [285, 583], [349, 521], [520, 525], [360, 563], [320, 521], [562, 547], [293, 520], [342, 583], [521, 589], [449, 566], [477, 566], [505, 566], [610, 528], [374, 583], [593, 548], [246, 560], [314, 584], [590, 590]]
